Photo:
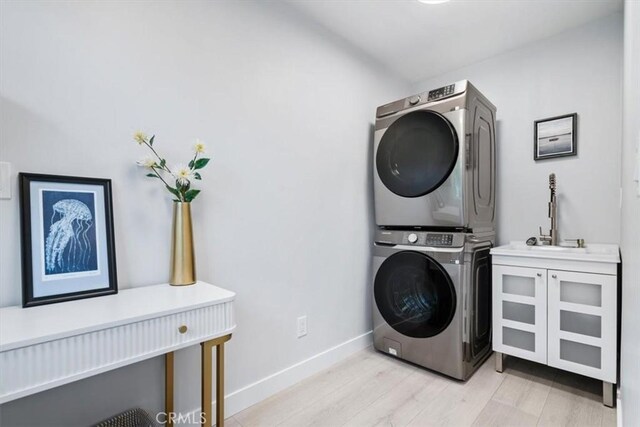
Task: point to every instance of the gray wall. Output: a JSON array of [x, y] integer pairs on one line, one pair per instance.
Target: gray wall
[[630, 349], [286, 110], [284, 219], [577, 71]]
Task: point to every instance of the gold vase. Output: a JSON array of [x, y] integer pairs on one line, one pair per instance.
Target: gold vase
[[183, 261]]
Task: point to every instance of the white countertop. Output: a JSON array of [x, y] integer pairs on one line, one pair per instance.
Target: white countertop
[[592, 252], [21, 327]]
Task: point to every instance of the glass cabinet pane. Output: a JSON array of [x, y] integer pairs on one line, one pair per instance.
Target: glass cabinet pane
[[519, 285], [581, 323], [583, 354], [525, 313], [581, 293], [519, 339]]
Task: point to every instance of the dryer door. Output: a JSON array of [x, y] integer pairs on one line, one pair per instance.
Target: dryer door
[[417, 153], [483, 158], [414, 294]]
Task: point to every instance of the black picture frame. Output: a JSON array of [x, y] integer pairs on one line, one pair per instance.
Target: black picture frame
[[67, 238], [555, 137]]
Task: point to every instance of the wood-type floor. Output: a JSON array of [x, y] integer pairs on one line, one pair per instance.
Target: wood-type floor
[[372, 389]]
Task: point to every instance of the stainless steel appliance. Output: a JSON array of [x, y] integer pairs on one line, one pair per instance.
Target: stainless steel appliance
[[434, 160], [432, 298]]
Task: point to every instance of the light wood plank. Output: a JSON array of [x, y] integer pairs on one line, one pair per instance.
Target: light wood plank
[[277, 408], [496, 414], [609, 417], [230, 422], [460, 403], [338, 407], [526, 386], [402, 403], [573, 400]]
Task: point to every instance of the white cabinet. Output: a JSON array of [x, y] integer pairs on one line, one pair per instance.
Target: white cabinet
[[582, 313], [559, 312], [520, 312]]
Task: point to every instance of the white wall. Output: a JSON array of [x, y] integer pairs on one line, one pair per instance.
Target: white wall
[[284, 219], [577, 71], [630, 347]]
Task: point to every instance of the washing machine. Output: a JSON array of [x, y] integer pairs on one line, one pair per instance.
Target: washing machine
[[434, 160], [432, 298]]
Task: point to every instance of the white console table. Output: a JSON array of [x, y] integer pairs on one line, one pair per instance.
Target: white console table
[[46, 346]]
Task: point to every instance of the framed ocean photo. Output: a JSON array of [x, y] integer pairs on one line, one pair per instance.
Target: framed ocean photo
[[68, 246], [555, 137]]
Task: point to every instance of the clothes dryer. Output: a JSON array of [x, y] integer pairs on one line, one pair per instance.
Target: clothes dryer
[[434, 161]]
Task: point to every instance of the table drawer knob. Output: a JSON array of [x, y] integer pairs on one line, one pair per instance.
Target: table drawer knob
[[182, 329], [539, 274], [555, 276]]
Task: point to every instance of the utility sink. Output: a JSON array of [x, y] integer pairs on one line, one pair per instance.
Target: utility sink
[[596, 252]]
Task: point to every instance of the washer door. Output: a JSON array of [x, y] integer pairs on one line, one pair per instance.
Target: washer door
[[414, 294], [417, 153]]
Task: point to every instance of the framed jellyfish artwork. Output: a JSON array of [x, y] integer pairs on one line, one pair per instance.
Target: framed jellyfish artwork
[[68, 248]]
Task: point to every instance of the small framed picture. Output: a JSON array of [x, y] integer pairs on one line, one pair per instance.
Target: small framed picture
[[68, 248], [555, 137]]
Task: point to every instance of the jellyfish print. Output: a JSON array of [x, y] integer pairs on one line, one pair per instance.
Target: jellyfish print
[[68, 246]]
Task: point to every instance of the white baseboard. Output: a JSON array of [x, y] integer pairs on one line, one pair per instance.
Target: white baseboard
[[619, 410], [251, 394]]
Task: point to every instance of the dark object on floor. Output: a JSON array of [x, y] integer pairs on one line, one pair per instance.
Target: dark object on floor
[[132, 418]]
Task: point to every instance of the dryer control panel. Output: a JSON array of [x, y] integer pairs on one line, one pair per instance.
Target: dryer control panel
[[441, 92], [420, 99]]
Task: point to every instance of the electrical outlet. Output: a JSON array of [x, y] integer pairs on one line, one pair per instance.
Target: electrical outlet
[[5, 180], [302, 326]]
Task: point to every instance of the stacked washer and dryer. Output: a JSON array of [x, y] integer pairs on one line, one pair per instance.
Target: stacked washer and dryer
[[434, 192]]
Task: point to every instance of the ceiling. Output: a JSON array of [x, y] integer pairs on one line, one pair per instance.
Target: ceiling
[[417, 41]]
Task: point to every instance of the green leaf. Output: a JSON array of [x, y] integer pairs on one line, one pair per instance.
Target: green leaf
[[200, 163], [151, 139], [162, 162], [173, 191], [152, 175], [197, 175], [191, 164], [190, 195]]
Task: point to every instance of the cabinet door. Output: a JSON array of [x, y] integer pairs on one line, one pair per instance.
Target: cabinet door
[[582, 323], [520, 312]]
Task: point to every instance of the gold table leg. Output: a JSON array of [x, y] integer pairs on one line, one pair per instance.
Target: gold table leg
[[168, 387], [207, 367]]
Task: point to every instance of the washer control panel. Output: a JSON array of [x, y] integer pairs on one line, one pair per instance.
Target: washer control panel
[[420, 238], [417, 238], [439, 239], [441, 92]]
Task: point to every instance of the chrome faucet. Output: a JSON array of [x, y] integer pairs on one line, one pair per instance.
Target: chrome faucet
[[552, 237]]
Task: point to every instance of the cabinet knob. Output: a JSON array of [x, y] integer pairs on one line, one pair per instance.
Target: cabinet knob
[[555, 276], [182, 329], [539, 274]]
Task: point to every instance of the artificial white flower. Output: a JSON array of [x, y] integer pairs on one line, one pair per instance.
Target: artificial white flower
[[199, 147], [140, 137], [147, 162], [183, 174]]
